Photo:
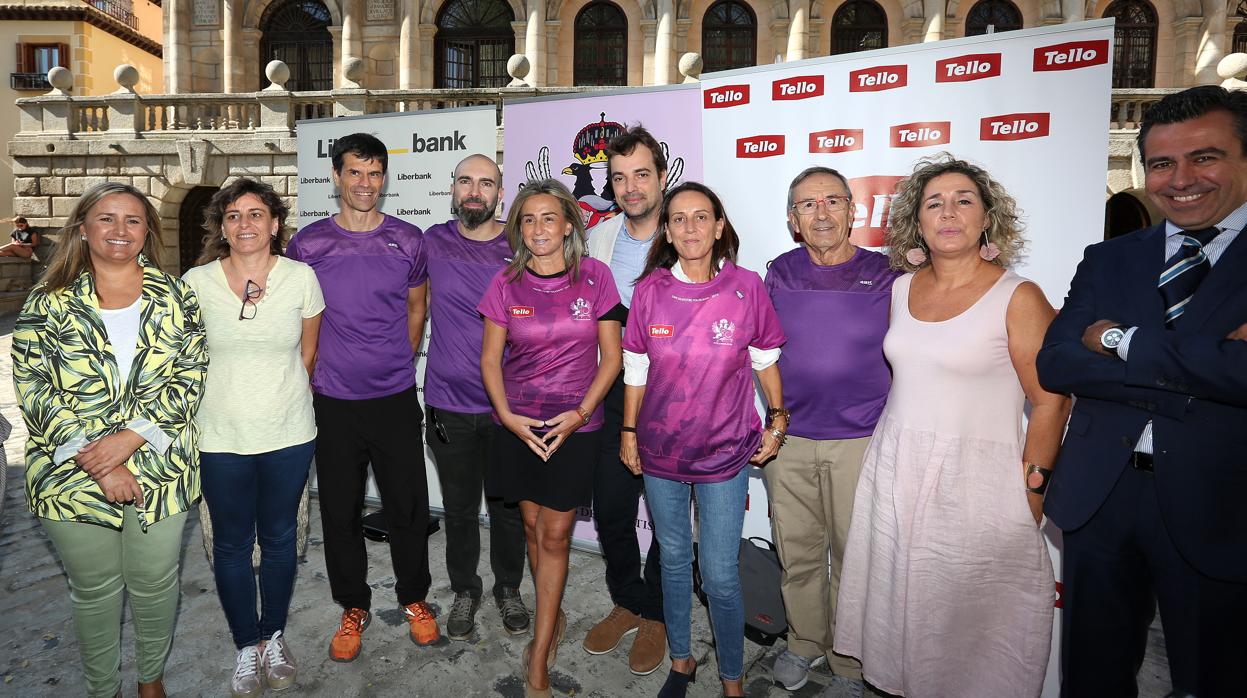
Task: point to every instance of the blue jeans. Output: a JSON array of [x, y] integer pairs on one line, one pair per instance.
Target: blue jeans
[[249, 495], [720, 517]]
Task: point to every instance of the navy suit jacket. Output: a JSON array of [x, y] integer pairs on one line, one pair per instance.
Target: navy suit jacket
[[1190, 381]]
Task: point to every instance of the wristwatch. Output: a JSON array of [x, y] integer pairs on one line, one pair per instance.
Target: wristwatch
[[1037, 478], [1111, 338]]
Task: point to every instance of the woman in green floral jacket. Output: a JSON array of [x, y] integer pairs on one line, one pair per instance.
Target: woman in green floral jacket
[[108, 361]]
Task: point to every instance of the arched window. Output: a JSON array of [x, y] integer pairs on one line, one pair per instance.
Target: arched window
[[601, 50], [729, 36], [998, 15], [297, 33], [858, 25], [1134, 43], [474, 41], [1239, 43]]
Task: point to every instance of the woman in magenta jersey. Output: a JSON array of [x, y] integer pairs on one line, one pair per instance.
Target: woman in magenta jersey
[[699, 328], [554, 310]]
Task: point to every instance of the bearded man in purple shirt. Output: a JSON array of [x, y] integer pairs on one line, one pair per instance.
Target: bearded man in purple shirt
[[833, 300], [464, 254], [371, 268]]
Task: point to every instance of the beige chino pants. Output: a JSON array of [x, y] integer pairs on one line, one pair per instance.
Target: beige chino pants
[[811, 485]]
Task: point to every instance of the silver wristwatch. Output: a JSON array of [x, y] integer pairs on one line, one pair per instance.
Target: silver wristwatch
[[1111, 338]]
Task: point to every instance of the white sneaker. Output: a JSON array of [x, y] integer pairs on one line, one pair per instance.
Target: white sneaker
[[246, 682], [279, 669]]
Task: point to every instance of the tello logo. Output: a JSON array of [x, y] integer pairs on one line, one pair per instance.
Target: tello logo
[[975, 66], [521, 311], [920, 134], [663, 331], [837, 140], [872, 207], [883, 77], [1071, 55], [759, 146], [801, 87], [1014, 127], [725, 96]]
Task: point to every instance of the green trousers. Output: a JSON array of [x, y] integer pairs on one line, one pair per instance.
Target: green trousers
[[102, 564]]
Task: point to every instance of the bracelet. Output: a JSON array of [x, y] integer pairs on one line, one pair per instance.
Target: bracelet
[[630, 430], [584, 414], [1040, 476], [780, 436], [774, 412]]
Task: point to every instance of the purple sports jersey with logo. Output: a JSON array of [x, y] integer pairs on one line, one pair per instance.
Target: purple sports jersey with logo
[[835, 377], [552, 337], [364, 349], [459, 272], [698, 422]]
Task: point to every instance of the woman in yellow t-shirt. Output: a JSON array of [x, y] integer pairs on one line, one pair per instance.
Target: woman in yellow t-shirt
[[262, 315]]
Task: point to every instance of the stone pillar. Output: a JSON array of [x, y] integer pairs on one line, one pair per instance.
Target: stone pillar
[[1211, 44], [798, 29], [176, 50], [664, 32], [1073, 10], [409, 46], [649, 29], [553, 27], [230, 53], [933, 20], [352, 45], [535, 42], [428, 33], [1186, 37]]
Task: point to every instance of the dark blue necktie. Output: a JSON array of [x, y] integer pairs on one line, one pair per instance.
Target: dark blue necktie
[[1184, 272]]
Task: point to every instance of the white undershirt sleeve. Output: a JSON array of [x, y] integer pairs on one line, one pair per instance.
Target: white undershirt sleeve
[[636, 368]]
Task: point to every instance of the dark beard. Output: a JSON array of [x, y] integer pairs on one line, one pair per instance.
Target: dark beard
[[473, 218]]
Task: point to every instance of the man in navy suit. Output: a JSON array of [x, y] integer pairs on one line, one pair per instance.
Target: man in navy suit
[[1149, 484]]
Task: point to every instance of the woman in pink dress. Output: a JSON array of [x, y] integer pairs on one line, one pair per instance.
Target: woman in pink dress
[[947, 587]]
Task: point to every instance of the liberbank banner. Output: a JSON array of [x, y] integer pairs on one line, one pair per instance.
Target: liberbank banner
[[424, 147], [1030, 106]]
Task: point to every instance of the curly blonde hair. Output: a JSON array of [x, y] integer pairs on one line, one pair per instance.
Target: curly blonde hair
[[1004, 225]]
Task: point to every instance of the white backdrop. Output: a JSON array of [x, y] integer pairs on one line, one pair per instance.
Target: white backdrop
[[424, 147], [1030, 106]]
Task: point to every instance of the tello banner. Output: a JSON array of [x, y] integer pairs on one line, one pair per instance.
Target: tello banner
[[1014, 127], [920, 134], [1071, 55], [837, 140], [726, 96], [975, 66], [799, 87], [880, 77]]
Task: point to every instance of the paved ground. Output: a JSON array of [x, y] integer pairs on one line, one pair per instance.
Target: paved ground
[[39, 655]]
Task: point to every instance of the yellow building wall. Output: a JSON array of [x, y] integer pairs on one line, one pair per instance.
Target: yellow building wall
[[151, 22], [102, 52]]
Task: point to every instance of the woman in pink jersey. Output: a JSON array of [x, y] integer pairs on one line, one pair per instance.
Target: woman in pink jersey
[[554, 310], [947, 585], [698, 330]]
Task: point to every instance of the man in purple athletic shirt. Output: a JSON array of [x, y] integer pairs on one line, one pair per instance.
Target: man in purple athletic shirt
[[371, 268], [464, 253], [832, 299], [638, 175]]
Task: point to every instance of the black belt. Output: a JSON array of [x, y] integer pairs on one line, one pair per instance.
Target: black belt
[[1142, 461]]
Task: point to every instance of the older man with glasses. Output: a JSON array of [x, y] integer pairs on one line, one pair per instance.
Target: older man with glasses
[[835, 383]]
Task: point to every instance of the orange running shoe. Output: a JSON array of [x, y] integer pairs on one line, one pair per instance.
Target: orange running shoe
[[346, 643], [424, 630]]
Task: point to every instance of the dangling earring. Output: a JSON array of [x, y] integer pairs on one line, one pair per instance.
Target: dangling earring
[[988, 250]]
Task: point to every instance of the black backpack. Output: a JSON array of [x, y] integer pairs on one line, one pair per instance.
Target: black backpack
[[765, 619]]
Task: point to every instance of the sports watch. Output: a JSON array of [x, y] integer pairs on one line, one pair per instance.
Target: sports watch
[[1111, 338]]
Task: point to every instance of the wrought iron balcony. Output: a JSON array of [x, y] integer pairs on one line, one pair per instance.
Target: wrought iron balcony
[[29, 81], [117, 10]]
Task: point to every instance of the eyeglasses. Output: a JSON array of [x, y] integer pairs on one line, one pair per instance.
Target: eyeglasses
[[807, 207], [251, 292]]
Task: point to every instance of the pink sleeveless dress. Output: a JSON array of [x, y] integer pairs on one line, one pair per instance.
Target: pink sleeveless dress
[[947, 588]]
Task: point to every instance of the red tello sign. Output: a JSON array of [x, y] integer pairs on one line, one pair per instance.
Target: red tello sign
[[837, 140], [663, 331], [759, 146], [1071, 55], [872, 208], [883, 77], [521, 311], [1014, 127], [920, 134], [974, 66], [725, 96], [801, 87]]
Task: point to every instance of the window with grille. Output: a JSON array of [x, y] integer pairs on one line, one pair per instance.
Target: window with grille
[[729, 36], [473, 44], [33, 63], [296, 32], [994, 15], [858, 25], [601, 54], [1134, 43]]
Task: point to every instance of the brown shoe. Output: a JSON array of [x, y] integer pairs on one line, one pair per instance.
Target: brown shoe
[[346, 643], [649, 648], [610, 631]]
